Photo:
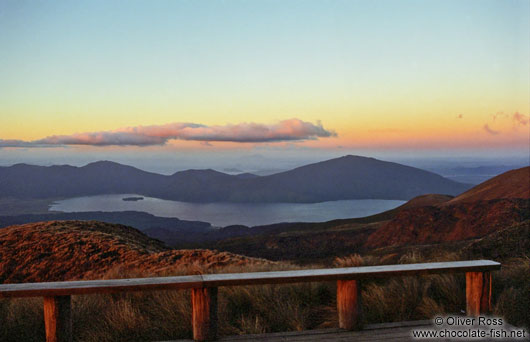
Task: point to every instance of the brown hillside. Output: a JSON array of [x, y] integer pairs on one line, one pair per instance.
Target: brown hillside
[[68, 250], [512, 242], [511, 184], [426, 225], [490, 206]]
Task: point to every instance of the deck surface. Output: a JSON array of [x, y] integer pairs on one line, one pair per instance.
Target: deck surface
[[400, 331], [383, 332]]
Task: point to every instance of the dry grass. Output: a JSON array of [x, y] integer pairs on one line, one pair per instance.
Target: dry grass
[[21, 319], [74, 250], [513, 288], [166, 315]]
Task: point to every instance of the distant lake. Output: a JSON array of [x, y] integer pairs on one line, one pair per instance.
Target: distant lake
[[224, 214]]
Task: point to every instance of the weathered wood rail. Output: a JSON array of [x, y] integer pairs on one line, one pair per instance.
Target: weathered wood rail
[[57, 295]]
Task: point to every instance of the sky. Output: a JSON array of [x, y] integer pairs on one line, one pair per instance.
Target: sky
[[194, 83]]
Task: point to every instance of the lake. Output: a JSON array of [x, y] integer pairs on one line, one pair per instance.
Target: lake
[[224, 214]]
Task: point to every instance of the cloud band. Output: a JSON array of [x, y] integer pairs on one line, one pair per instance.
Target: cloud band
[[287, 130]]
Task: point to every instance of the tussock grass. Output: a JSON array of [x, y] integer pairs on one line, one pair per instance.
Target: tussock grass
[[164, 315], [513, 288], [21, 319], [269, 308]]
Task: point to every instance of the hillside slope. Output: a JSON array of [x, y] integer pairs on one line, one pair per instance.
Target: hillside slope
[[69, 250], [511, 184], [431, 224], [511, 242], [488, 207]]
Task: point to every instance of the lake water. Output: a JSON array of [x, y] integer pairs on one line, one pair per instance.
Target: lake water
[[224, 214]]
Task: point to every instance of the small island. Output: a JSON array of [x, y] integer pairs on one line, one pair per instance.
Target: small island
[[132, 199]]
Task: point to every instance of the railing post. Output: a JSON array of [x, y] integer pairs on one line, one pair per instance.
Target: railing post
[[58, 319], [478, 293], [204, 313], [349, 304]]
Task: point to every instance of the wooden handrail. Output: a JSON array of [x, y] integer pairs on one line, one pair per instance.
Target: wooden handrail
[[204, 291], [63, 288]]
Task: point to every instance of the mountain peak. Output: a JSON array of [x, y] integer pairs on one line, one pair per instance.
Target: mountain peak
[[103, 163], [199, 172], [354, 156], [21, 165], [351, 158]]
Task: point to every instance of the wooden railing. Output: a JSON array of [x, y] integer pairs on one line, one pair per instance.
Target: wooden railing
[[57, 295]]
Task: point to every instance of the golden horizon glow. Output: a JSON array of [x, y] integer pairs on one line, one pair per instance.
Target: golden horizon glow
[[420, 81]]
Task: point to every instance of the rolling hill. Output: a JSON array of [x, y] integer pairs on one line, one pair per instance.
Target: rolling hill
[[511, 184], [349, 177], [428, 225], [70, 250]]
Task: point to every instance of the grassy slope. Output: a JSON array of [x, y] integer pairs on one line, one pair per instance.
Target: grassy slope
[[511, 184], [66, 250]]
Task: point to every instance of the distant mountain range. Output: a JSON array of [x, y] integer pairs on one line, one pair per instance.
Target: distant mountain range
[[348, 177]]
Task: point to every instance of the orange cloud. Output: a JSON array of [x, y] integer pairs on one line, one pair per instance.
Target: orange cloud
[[520, 119]]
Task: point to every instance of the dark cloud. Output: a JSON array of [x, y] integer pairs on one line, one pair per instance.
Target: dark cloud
[[489, 130]]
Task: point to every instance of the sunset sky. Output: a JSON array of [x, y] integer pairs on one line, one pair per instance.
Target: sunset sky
[[109, 78]]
